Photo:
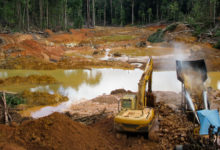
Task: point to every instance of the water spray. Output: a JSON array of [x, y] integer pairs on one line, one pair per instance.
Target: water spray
[[205, 99], [191, 105]]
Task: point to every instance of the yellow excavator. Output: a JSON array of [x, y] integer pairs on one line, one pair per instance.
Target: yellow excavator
[[135, 113]]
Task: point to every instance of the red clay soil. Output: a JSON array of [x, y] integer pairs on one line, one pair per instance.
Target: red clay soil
[[75, 36], [35, 48], [123, 141], [48, 32], [156, 27], [59, 132], [25, 45]]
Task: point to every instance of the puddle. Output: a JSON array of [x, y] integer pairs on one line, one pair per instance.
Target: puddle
[[80, 84], [107, 55]]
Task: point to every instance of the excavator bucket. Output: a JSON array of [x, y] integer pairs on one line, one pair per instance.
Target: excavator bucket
[[196, 65]]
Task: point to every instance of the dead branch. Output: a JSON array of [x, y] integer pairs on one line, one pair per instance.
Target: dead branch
[[184, 31], [5, 108], [6, 92]]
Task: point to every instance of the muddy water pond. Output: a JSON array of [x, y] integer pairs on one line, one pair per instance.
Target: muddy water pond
[[81, 84]]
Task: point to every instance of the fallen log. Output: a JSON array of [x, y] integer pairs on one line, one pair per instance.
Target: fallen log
[[88, 120]]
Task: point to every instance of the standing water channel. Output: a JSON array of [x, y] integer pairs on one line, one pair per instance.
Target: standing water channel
[[81, 84]]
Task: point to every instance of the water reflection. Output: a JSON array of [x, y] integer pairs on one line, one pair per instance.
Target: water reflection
[[112, 79], [213, 80], [87, 84], [166, 81], [66, 78]]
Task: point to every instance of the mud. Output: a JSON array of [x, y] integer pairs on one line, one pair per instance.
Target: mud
[[78, 46], [26, 63], [32, 79], [15, 117], [174, 127], [59, 131], [42, 98]]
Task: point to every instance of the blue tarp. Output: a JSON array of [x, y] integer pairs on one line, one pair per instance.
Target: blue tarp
[[207, 118]]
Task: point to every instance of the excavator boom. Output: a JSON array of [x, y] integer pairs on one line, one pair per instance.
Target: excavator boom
[[145, 78]]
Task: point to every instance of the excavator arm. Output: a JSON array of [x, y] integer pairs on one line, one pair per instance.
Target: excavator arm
[[145, 78]]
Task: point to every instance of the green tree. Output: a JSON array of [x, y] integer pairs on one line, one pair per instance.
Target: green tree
[[149, 12], [173, 11], [122, 14]]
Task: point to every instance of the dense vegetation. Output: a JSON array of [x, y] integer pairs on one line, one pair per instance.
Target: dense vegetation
[[64, 14]]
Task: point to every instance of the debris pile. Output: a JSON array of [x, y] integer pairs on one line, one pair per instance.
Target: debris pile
[[88, 120], [15, 117], [173, 127], [59, 132], [214, 98]]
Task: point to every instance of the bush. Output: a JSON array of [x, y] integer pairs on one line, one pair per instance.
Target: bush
[[217, 45], [171, 27], [78, 22], [217, 34], [156, 37], [13, 100]]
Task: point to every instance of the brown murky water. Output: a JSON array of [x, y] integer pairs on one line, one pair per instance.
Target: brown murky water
[[81, 84], [213, 80]]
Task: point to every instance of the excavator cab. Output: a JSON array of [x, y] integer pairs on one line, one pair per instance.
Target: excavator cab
[[127, 102]]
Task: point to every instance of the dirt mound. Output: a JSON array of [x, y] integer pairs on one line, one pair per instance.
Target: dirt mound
[[18, 37], [121, 91], [69, 63], [59, 132], [15, 116], [42, 98], [173, 127], [36, 49], [75, 38], [48, 32], [26, 63], [123, 141], [179, 32], [24, 45], [32, 79]]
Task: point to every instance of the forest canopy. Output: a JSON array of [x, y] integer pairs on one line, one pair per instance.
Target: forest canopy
[[63, 14]]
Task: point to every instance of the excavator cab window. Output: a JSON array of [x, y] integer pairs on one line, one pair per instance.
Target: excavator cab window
[[126, 104]]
